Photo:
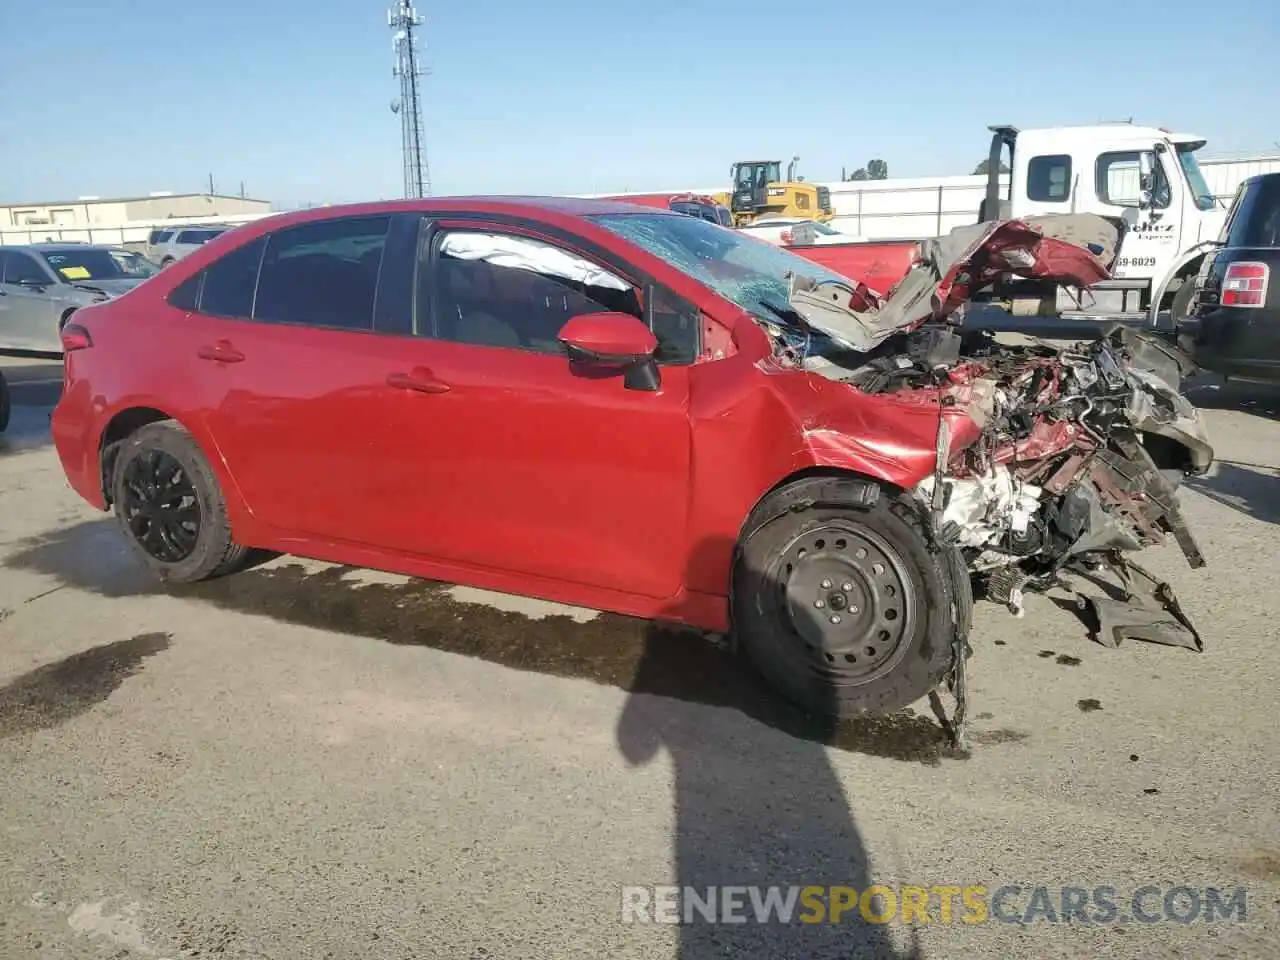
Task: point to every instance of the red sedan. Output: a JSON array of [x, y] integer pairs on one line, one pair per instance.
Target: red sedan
[[586, 401]]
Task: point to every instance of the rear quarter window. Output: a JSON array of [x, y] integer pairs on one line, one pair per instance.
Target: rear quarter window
[[1255, 216]]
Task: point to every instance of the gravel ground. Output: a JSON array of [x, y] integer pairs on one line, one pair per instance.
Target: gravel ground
[[314, 761]]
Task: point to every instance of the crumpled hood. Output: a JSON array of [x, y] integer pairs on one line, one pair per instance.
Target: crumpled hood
[[1072, 249]]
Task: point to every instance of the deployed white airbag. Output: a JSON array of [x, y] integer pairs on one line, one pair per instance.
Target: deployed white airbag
[[518, 253]]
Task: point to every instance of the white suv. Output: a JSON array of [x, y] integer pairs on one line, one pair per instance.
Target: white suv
[[167, 246]]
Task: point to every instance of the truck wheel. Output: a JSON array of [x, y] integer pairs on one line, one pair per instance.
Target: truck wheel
[[1180, 308], [844, 608], [170, 506]]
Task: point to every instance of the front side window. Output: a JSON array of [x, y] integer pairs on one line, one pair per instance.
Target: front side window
[[1049, 179], [502, 290], [1119, 180], [20, 268], [747, 271], [322, 274]]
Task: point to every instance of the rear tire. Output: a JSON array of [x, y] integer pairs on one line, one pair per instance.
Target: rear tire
[[1180, 307], [170, 506], [845, 609]]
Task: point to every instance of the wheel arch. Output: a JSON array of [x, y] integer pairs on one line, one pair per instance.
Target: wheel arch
[[757, 516], [1187, 264], [131, 417]]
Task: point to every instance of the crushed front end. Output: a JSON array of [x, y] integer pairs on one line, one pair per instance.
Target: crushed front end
[[1051, 464]]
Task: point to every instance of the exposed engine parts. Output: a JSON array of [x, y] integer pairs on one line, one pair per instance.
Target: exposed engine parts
[[1076, 462]]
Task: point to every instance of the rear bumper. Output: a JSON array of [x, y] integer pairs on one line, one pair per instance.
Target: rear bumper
[[75, 437], [1234, 342]]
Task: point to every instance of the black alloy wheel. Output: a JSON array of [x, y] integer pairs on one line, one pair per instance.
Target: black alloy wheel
[[160, 506]]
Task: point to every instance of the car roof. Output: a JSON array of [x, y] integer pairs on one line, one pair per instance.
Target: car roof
[[517, 206], [64, 245]]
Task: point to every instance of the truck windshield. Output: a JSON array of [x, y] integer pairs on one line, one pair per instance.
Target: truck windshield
[[742, 269], [1195, 177]]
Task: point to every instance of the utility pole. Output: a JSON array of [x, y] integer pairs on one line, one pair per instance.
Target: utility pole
[[211, 184], [404, 22]]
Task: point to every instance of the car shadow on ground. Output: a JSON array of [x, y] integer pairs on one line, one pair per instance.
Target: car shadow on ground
[[33, 390], [635, 655], [757, 800], [1250, 488], [1210, 392]]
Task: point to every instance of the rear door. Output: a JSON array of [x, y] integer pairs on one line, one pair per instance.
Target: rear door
[[513, 458], [294, 374]]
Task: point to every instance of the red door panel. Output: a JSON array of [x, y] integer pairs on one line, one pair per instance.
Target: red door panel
[[522, 464]]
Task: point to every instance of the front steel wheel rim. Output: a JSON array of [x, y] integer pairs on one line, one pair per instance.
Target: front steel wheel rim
[[849, 599], [160, 506]]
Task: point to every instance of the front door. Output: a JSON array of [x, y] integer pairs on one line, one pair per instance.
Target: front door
[[1153, 239], [523, 462], [28, 314]]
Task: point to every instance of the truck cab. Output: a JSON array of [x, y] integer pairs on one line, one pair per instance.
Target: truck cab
[[1145, 178]]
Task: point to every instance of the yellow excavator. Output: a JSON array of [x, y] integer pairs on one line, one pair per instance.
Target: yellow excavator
[[759, 190]]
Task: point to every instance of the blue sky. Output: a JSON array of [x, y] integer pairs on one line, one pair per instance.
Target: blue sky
[[292, 97]]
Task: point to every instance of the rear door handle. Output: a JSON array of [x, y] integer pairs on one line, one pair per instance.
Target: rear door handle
[[420, 379], [221, 351]]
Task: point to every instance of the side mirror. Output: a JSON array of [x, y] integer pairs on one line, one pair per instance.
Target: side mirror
[[614, 340], [1146, 178]]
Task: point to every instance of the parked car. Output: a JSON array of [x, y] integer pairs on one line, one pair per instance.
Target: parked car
[[180, 242], [626, 409], [795, 230], [1234, 325], [43, 284]]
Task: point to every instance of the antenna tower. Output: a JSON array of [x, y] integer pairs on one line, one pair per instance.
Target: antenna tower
[[404, 22]]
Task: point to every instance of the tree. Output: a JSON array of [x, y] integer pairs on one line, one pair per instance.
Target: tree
[[981, 169], [874, 170]]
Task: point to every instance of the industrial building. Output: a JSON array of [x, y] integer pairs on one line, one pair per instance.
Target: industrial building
[[120, 219]]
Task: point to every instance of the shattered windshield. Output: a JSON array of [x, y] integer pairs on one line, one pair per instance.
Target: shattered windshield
[[1195, 177], [750, 272]]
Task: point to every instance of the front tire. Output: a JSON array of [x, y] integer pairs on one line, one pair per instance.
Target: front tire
[[170, 506], [845, 609]]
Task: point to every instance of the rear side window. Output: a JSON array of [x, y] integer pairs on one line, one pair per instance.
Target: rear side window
[[229, 282], [197, 236], [1255, 216], [1049, 178], [323, 274], [159, 236]]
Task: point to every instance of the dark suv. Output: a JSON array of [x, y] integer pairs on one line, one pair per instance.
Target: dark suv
[[1234, 328]]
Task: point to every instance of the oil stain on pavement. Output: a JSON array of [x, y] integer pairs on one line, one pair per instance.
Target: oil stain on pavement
[[56, 692], [632, 654]]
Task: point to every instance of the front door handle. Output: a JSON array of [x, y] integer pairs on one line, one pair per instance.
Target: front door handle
[[221, 351], [420, 379]]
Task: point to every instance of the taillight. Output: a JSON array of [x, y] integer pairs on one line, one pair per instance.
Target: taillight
[[75, 337], [786, 236], [1245, 284]]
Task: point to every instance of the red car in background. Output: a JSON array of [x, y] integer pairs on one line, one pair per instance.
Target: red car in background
[[608, 405]]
